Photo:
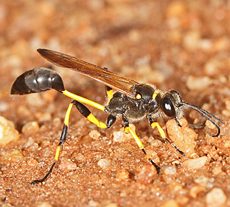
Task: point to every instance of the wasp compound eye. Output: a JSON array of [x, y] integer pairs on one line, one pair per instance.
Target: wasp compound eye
[[167, 107]]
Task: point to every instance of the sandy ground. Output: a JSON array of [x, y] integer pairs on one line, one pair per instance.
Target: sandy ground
[[182, 45]]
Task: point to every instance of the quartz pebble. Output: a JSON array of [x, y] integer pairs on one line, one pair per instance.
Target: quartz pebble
[[170, 170], [94, 134], [146, 175], [198, 83], [121, 136], [183, 137], [196, 163], [30, 128], [8, 132], [67, 165], [103, 163], [216, 198], [43, 204], [122, 175]]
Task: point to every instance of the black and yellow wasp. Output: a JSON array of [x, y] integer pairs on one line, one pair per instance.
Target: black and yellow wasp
[[131, 101]]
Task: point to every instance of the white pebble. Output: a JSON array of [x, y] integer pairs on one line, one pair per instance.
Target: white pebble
[[196, 163], [7, 131], [170, 170], [3, 106], [103, 163], [198, 83], [94, 134], [30, 128], [216, 198]]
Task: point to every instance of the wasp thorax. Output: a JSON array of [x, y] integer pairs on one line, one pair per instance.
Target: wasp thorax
[[143, 92]]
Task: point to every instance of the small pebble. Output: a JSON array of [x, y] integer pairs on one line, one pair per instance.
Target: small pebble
[[198, 83], [170, 203], [94, 134], [146, 174], [103, 163], [92, 203], [191, 40], [216, 198], [30, 128], [67, 164], [121, 136], [35, 99], [43, 204], [169, 170], [204, 181], [122, 175], [196, 190], [8, 132], [183, 137], [3, 106], [196, 163], [111, 205], [13, 155]]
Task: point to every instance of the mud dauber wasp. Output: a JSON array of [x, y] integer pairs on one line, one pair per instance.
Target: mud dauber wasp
[[131, 100]]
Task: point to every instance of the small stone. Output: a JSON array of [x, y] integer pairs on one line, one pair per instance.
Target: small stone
[[196, 190], [183, 137], [111, 205], [94, 134], [92, 203], [198, 83], [8, 132], [197, 163], [122, 175], [217, 170], [121, 136], [216, 198], [43, 204], [3, 106], [170, 203], [35, 99], [13, 155], [146, 174], [204, 181], [169, 170], [191, 40], [30, 128], [103, 163], [29, 142], [67, 164]]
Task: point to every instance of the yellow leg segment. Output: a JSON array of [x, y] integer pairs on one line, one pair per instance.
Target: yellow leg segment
[[134, 135], [160, 130], [64, 132], [109, 94], [95, 121], [163, 136], [83, 100], [59, 147]]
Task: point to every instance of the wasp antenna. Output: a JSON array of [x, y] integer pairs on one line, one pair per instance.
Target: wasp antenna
[[207, 115]]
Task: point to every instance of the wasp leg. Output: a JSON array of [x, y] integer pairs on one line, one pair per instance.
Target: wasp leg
[[109, 93], [87, 114], [83, 100], [59, 147], [163, 136], [139, 143]]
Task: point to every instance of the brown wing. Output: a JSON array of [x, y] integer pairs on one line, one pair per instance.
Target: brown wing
[[100, 74]]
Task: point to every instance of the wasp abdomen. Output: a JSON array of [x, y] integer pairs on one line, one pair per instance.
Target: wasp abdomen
[[37, 80]]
